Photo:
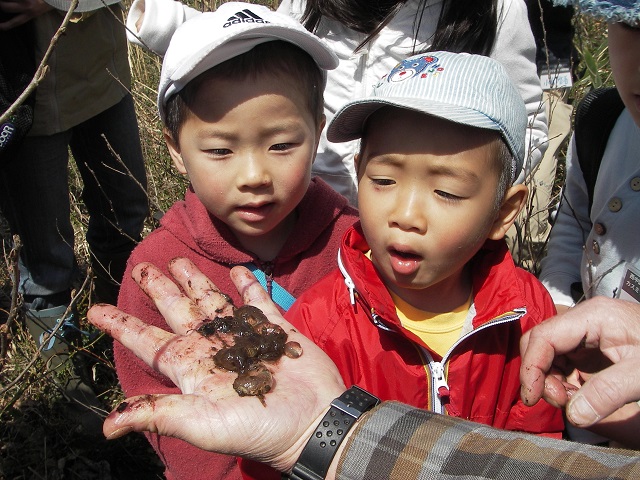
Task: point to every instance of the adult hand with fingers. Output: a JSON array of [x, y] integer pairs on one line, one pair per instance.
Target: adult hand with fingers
[[596, 342], [210, 414]]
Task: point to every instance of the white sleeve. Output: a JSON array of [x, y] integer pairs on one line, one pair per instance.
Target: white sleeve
[[515, 48], [293, 8], [160, 19], [285, 7], [562, 265]]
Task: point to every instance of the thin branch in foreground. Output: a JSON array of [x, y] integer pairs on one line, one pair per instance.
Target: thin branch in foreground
[[43, 68], [14, 310]]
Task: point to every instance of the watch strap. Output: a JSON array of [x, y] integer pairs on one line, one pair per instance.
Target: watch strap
[[318, 453]]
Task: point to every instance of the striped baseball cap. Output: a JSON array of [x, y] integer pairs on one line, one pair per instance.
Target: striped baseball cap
[[463, 88]]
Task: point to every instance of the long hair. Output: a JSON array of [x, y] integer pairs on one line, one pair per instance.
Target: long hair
[[464, 25]]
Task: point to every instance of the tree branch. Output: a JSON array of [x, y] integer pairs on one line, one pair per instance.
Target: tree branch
[[42, 68]]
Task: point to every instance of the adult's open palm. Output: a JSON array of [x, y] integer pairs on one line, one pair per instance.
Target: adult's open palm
[[209, 413]]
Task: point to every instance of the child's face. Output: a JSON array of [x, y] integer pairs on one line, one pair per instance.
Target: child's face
[[624, 54], [427, 200], [247, 147]]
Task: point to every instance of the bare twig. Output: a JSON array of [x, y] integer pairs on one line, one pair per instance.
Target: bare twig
[[42, 68], [118, 158], [46, 337], [14, 257], [15, 299]]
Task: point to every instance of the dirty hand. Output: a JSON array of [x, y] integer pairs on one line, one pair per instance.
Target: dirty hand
[[600, 338], [209, 413]]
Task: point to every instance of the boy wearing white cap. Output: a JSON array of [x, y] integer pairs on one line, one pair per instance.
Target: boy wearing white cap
[[241, 97], [427, 306]]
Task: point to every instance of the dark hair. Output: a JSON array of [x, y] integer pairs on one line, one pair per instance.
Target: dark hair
[[505, 157], [276, 57], [464, 25]]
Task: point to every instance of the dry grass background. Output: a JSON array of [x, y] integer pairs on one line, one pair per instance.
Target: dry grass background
[[37, 439]]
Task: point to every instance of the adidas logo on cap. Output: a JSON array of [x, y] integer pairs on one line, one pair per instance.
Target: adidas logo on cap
[[245, 16]]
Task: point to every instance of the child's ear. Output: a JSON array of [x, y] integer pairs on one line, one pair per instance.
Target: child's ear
[[174, 151], [319, 128], [514, 200], [321, 124], [356, 162]]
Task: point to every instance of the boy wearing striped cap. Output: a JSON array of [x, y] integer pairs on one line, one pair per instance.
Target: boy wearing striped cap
[[427, 306]]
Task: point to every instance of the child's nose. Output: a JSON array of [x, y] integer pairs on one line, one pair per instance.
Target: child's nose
[[253, 173], [409, 211]]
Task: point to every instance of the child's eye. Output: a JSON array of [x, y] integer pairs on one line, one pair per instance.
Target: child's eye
[[279, 147], [218, 152], [448, 196], [383, 182]]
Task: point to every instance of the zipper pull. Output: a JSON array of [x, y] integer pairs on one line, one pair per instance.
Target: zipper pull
[[351, 286], [439, 382], [347, 280]]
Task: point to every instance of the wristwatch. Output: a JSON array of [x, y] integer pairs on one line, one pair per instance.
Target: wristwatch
[[319, 451]]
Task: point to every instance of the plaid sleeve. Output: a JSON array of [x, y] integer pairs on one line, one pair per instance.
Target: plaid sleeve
[[395, 441]]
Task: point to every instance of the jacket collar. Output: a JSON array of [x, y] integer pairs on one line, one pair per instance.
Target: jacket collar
[[497, 290]]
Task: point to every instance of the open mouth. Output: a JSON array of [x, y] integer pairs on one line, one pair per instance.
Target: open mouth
[[404, 254], [404, 262], [255, 212], [254, 208]]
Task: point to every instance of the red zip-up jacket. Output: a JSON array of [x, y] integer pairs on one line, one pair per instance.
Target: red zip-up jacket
[[351, 316]]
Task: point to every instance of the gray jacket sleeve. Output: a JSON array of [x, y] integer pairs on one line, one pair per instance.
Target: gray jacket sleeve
[[562, 265]]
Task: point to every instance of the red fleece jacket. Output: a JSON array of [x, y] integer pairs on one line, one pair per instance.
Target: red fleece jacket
[[188, 230]]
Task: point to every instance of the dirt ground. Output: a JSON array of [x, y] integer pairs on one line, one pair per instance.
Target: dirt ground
[[43, 435]]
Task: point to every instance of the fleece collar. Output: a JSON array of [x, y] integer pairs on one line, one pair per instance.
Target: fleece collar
[[191, 223]]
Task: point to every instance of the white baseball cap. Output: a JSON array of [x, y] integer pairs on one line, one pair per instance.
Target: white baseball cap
[[233, 29], [468, 89]]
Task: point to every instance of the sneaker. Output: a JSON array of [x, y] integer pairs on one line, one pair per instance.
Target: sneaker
[[54, 331], [57, 334]]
